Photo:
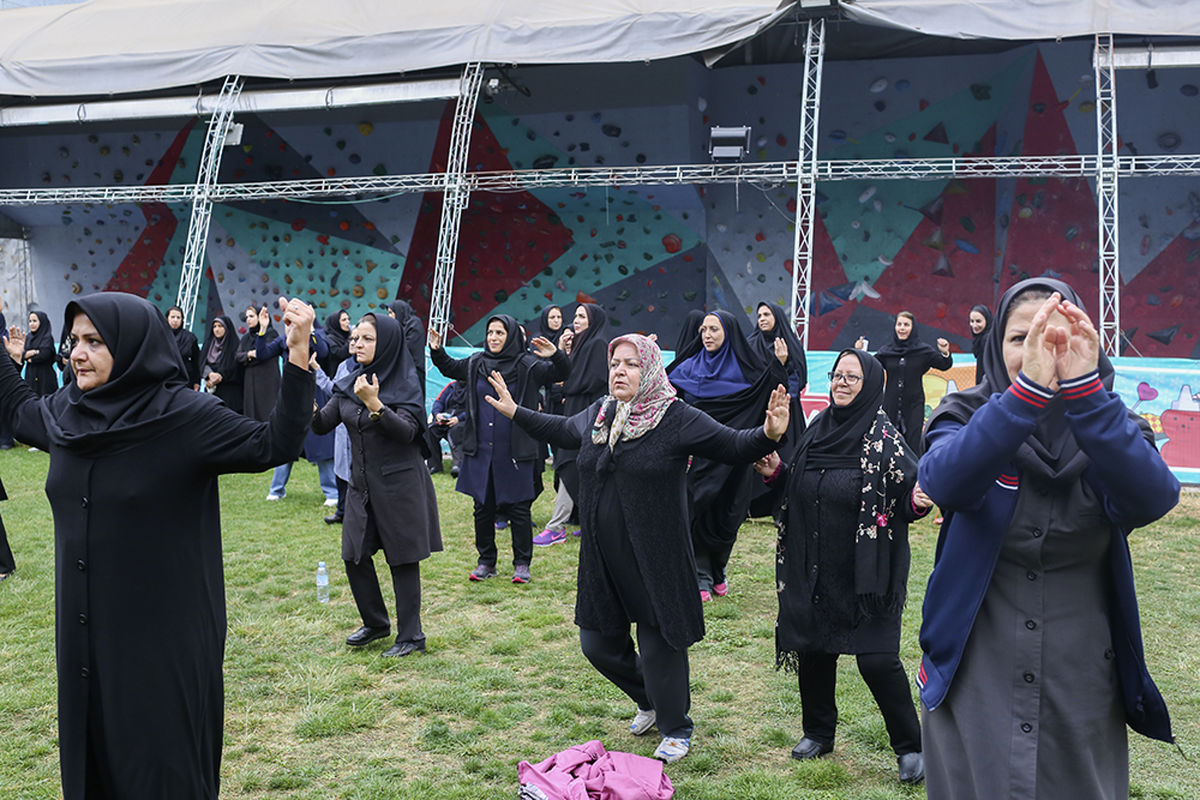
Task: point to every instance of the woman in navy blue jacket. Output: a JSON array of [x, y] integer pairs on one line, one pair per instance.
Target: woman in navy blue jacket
[[1032, 655]]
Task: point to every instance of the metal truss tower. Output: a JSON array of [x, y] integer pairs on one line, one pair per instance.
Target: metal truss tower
[[1107, 171], [201, 196], [455, 196], [806, 179]]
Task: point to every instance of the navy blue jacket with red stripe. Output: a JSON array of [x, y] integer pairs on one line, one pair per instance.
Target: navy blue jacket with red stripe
[[969, 471]]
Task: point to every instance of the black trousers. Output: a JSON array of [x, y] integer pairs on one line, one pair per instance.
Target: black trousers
[[434, 437], [406, 583], [710, 564], [518, 516], [343, 490], [7, 562], [884, 676], [657, 678]]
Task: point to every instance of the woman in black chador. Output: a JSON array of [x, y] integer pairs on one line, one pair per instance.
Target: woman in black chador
[[260, 375], [390, 505], [842, 558], [722, 376], [189, 348], [588, 382], [221, 371], [980, 320], [635, 562], [134, 459], [906, 359], [337, 336], [40, 351], [500, 463]]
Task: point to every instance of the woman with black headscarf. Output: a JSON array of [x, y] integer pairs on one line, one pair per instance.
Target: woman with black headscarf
[[842, 558], [391, 505], [135, 457], [189, 347], [414, 337], [499, 461], [1033, 662], [260, 373], [722, 376], [980, 320], [337, 336], [221, 371], [40, 351], [689, 332], [906, 359]]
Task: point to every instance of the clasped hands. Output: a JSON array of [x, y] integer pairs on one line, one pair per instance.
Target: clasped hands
[[1061, 344]]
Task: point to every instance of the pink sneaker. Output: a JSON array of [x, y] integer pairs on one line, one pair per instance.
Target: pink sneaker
[[705, 597], [720, 589], [549, 537]]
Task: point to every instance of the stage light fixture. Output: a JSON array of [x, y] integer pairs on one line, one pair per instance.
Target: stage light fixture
[[728, 143]]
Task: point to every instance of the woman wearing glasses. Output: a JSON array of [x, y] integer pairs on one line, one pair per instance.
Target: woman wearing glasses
[[842, 558]]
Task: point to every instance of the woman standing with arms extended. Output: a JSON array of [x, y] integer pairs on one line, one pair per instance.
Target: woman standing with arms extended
[[906, 359], [391, 505], [723, 377], [135, 456], [1033, 661], [980, 320], [499, 461], [40, 351], [221, 372], [635, 564], [842, 559]]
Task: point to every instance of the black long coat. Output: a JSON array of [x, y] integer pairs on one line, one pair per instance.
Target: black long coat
[[260, 376], [39, 371], [651, 481], [139, 589], [904, 394], [388, 472]]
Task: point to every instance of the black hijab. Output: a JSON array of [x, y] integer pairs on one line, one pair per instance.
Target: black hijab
[[220, 354], [250, 340], [905, 348], [333, 329], [1050, 455], [978, 340], [399, 386], [690, 332], [834, 439], [544, 329], [146, 393], [509, 358], [589, 352], [43, 337], [764, 341], [414, 336]]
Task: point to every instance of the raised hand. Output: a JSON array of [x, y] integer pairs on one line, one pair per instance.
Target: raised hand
[[15, 344], [434, 339], [566, 339], [543, 346], [298, 319], [1038, 360], [943, 346], [860, 343], [778, 413], [781, 351], [503, 401], [1078, 352], [367, 390]]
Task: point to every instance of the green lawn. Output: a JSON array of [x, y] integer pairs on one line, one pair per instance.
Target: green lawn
[[306, 717]]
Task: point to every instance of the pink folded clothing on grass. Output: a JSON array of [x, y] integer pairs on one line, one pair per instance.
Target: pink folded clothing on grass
[[589, 772]]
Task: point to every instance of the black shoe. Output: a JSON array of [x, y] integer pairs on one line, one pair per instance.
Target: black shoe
[[912, 767], [401, 649], [454, 472], [336, 519], [810, 748], [366, 635]]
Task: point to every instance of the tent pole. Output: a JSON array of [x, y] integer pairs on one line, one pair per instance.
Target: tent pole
[[806, 179], [206, 179], [455, 196]]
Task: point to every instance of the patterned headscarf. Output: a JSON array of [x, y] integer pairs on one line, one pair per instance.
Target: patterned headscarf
[[620, 421]]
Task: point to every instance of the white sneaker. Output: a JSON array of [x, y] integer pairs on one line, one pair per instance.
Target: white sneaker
[[671, 749], [643, 721], [331, 503], [273, 496]]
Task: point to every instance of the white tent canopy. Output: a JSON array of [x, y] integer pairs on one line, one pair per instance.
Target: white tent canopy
[[123, 46], [1030, 19]]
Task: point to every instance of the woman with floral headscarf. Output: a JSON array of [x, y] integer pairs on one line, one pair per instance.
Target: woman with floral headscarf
[[635, 558]]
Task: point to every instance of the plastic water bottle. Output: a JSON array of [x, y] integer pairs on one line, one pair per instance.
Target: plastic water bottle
[[322, 583]]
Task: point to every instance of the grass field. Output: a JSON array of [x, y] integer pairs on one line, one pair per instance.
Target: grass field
[[307, 717]]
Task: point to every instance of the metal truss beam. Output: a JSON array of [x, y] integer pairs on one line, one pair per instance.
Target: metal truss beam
[[198, 223], [806, 183], [1107, 171], [455, 196]]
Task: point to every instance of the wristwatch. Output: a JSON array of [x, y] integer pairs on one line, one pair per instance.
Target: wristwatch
[[375, 415]]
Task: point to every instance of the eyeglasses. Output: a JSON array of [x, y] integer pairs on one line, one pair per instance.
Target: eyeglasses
[[849, 380]]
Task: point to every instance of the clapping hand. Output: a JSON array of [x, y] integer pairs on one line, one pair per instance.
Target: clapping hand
[[943, 346], [778, 413], [1076, 347], [298, 319]]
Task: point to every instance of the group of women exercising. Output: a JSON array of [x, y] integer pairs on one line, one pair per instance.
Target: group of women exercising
[[1032, 663]]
